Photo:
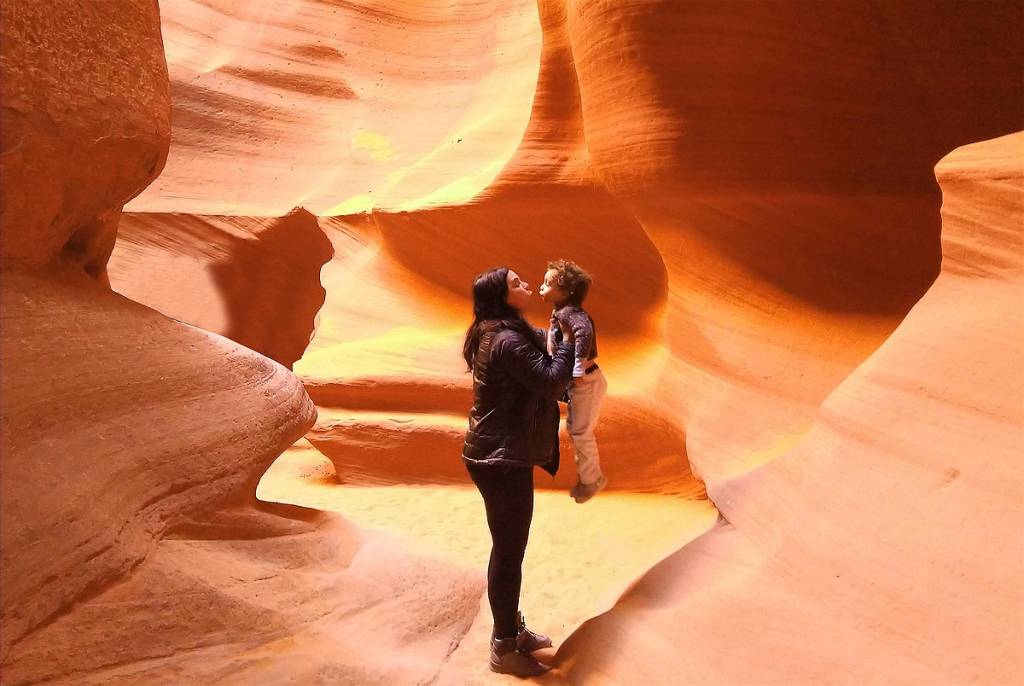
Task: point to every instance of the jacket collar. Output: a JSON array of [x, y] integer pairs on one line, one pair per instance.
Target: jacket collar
[[489, 325]]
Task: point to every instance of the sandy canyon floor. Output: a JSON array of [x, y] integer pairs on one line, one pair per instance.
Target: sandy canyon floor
[[579, 561]]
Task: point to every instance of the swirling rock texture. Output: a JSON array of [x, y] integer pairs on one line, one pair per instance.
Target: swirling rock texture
[[885, 546], [752, 186], [338, 107], [133, 547], [59, 223]]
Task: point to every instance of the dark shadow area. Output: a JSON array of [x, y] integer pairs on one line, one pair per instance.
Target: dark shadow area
[[798, 140], [524, 228]]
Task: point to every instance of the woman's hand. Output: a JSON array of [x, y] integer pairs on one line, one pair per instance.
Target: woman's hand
[[567, 334]]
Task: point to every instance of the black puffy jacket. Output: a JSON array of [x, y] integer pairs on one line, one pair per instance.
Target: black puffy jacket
[[514, 420]]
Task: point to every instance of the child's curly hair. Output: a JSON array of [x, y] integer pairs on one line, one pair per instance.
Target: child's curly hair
[[571, 278]]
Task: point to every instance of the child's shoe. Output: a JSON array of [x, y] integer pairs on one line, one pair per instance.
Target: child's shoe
[[582, 492]]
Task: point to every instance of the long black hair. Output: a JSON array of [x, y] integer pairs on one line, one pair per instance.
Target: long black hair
[[490, 301]]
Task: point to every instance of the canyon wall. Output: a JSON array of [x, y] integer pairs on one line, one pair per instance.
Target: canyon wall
[[134, 549], [885, 545], [753, 187]]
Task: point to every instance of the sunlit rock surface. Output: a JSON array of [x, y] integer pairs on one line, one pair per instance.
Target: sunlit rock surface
[[753, 187]]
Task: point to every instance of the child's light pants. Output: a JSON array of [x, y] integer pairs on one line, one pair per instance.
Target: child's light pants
[[586, 394]]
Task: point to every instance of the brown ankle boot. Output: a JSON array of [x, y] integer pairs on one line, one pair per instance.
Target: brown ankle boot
[[529, 641], [506, 658]]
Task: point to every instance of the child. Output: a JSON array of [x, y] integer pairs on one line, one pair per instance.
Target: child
[[565, 287]]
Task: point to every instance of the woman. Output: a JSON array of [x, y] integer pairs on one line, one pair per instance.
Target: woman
[[513, 427]]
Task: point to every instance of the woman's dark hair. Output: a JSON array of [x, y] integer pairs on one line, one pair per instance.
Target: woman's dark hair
[[571, 278], [490, 301]]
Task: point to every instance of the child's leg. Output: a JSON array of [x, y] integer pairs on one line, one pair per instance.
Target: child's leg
[[585, 398]]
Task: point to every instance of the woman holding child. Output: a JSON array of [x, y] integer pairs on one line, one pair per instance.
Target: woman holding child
[[519, 374]]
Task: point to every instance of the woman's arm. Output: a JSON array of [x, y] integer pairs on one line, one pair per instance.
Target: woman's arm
[[522, 359]]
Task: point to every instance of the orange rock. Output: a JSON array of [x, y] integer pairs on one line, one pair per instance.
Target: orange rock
[[341, 107], [86, 124], [132, 444], [255, 281], [119, 426], [885, 545], [751, 185]]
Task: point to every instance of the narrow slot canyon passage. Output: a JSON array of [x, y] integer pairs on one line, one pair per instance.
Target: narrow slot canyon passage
[[238, 240]]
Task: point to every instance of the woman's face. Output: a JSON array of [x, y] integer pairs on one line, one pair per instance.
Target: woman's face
[[518, 291], [550, 291]]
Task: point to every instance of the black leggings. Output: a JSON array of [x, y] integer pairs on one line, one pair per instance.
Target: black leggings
[[508, 499]]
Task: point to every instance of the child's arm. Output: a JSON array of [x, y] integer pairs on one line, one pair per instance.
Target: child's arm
[[584, 334]]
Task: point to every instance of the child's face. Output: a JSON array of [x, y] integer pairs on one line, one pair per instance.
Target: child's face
[[550, 291]]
